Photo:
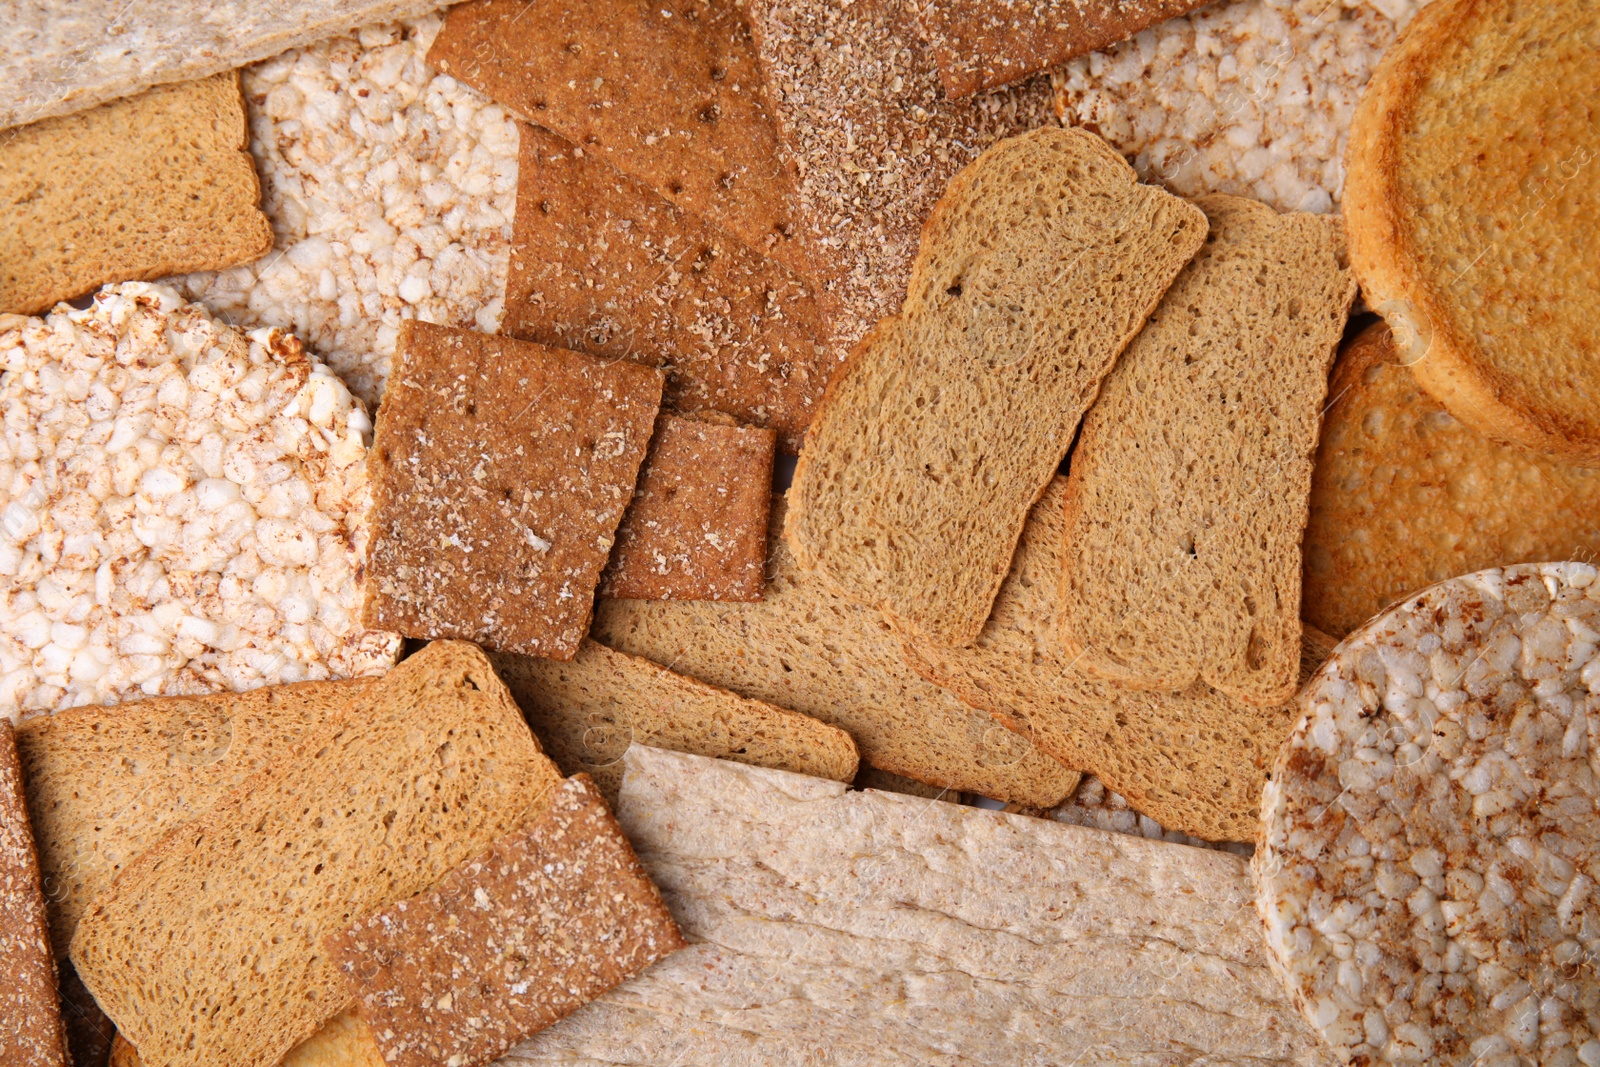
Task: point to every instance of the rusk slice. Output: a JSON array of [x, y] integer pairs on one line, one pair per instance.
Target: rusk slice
[[1037, 267], [157, 184], [805, 648], [1405, 495], [206, 950], [344, 1041], [588, 710], [1188, 490], [1473, 200]]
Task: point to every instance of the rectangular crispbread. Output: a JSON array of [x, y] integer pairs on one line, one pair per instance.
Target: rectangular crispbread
[[602, 264], [158, 184], [344, 1041], [1189, 486], [589, 709], [1038, 265], [697, 527], [500, 471], [806, 648], [206, 950], [510, 941], [839, 927]]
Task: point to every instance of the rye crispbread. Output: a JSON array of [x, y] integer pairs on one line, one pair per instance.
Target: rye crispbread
[[697, 526], [500, 470], [588, 710], [1037, 267], [141, 188], [425, 771], [344, 1041], [1189, 484], [552, 916]]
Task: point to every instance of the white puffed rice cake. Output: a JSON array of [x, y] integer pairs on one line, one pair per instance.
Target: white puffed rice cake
[[182, 507], [1430, 838]]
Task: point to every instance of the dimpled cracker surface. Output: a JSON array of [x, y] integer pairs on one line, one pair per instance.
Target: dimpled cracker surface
[[1405, 495], [510, 941], [848, 929], [501, 469]]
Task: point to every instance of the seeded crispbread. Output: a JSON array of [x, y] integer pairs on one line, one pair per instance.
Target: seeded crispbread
[[602, 264], [806, 648], [549, 918], [1038, 265], [1405, 495], [1190, 482], [984, 44], [697, 527], [31, 1034], [344, 1041], [669, 93], [589, 709], [424, 772], [501, 469], [153, 185], [1193, 761]]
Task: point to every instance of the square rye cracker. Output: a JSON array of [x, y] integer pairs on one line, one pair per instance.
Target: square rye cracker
[[501, 469]]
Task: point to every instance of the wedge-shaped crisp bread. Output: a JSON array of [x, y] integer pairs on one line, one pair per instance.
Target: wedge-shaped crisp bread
[[1039, 264], [1405, 495], [31, 1030], [839, 927], [500, 471], [206, 950], [589, 709], [983, 44], [669, 93], [154, 185], [344, 1041], [1190, 482], [602, 264], [697, 527], [806, 648], [1194, 760], [510, 941]]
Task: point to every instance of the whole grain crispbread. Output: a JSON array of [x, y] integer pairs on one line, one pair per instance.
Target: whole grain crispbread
[[157, 184], [588, 710], [426, 770], [501, 469]]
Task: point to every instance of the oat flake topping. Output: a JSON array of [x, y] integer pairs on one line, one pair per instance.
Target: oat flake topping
[[1431, 843]]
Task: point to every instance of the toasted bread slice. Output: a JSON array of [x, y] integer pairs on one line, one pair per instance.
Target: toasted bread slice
[[344, 1041], [1189, 485], [1474, 210]]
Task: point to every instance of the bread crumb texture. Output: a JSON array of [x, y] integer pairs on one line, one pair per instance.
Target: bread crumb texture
[[1094, 805], [182, 507], [1428, 854]]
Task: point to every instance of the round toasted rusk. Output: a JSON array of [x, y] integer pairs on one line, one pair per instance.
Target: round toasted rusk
[[1472, 198], [1430, 839]]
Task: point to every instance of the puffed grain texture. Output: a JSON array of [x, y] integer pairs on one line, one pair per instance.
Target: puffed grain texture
[[207, 949], [1190, 482], [1038, 266]]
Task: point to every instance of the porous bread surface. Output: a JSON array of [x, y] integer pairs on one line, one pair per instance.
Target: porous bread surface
[[427, 770], [1189, 485], [105, 784], [1472, 206], [156, 184], [344, 1041], [182, 507], [588, 710], [602, 264], [806, 648], [552, 916], [501, 469], [1038, 265], [671, 94], [1093, 805], [1193, 761], [697, 526], [1405, 495], [838, 927], [1428, 843], [33, 1034]]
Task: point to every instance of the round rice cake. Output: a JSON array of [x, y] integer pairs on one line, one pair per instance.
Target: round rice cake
[[1430, 839]]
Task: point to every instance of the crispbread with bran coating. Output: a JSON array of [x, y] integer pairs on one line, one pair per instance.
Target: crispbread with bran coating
[[1472, 196]]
